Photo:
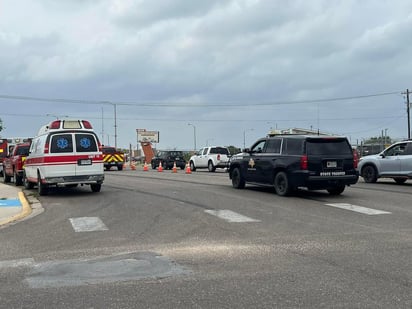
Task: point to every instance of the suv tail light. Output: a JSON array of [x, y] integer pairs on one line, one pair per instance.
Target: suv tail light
[[218, 157], [304, 162], [355, 158]]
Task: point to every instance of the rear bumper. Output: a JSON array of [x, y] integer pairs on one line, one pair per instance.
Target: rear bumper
[[304, 179], [222, 164], [71, 180]]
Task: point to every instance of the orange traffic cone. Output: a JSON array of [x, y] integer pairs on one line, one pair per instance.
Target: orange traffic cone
[[174, 169], [133, 166], [145, 167], [160, 168], [188, 170]]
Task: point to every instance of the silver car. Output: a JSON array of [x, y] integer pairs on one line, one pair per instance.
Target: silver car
[[394, 162]]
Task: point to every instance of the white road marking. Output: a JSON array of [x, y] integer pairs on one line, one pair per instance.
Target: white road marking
[[360, 209], [88, 224], [230, 216], [16, 263]]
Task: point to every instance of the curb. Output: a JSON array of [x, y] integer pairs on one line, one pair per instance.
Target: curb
[[26, 211]]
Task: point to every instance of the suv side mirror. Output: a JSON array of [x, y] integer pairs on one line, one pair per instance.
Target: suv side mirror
[[382, 154]]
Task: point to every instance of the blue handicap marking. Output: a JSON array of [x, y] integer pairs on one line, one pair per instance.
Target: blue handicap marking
[[9, 202]]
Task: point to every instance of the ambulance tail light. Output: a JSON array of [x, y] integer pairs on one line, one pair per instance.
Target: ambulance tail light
[[46, 148], [304, 162], [86, 124], [55, 125]]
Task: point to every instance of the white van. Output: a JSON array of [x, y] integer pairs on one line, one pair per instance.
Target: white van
[[64, 153]]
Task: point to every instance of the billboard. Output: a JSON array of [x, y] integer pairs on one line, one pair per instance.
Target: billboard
[[147, 136]]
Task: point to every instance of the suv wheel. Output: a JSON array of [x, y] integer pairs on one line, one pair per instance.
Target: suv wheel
[[281, 184], [369, 174], [238, 181], [336, 191], [211, 167]]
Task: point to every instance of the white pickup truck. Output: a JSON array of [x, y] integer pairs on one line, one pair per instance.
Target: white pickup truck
[[210, 158]]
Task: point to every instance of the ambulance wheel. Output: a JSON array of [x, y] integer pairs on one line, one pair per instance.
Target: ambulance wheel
[[42, 188], [96, 187]]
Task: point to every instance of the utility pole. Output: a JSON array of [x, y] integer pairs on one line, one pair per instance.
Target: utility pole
[[408, 110], [115, 125]]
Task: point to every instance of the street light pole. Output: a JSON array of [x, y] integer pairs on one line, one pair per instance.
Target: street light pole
[[244, 137], [194, 134], [115, 125]]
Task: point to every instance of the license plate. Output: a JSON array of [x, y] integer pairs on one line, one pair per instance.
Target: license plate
[[84, 162], [331, 164]]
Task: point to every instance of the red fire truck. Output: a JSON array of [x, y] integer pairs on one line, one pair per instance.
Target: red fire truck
[[6, 145]]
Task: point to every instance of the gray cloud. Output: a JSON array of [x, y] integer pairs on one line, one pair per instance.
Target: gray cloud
[[206, 53]]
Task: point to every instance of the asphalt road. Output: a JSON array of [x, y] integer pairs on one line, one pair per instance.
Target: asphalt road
[[163, 240]]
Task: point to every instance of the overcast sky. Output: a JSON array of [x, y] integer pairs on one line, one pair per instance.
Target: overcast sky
[[232, 69]]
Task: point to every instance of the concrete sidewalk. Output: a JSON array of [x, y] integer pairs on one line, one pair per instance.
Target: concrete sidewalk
[[13, 204]]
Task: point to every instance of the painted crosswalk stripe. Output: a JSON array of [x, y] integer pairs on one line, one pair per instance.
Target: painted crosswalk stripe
[[88, 224], [360, 209], [230, 216], [16, 263]]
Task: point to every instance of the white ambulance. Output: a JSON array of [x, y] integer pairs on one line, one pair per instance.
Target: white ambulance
[[64, 153]]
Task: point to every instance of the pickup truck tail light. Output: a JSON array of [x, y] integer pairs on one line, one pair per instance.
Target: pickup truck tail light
[[304, 162], [218, 156]]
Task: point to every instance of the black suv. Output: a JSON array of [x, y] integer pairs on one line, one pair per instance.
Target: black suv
[[168, 158], [291, 161]]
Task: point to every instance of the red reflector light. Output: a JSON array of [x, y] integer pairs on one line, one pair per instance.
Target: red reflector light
[[87, 125], [304, 162], [55, 125]]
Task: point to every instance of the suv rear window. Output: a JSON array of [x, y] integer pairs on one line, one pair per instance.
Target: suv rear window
[[328, 146]]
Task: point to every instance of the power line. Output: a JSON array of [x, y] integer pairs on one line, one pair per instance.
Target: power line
[[192, 104], [211, 120]]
